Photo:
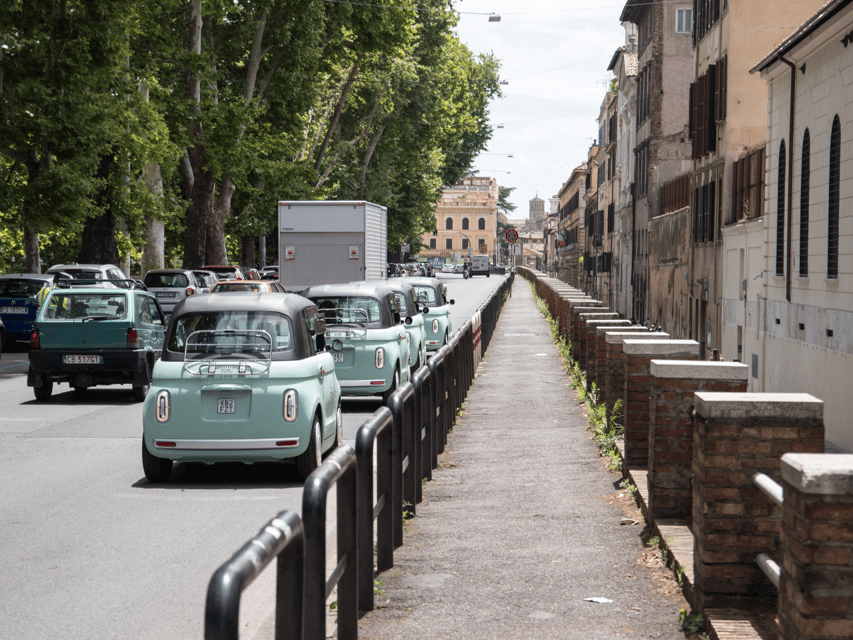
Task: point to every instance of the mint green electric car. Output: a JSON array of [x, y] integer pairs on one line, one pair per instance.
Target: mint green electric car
[[95, 335], [244, 377], [363, 321], [432, 294]]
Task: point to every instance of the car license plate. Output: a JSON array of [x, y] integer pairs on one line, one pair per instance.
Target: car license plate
[[226, 405], [165, 294], [338, 356], [15, 310], [82, 359], [224, 370]]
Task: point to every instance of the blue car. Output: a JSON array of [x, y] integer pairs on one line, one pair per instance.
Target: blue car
[[19, 302]]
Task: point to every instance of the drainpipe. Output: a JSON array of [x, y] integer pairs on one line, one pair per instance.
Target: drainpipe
[[790, 175]]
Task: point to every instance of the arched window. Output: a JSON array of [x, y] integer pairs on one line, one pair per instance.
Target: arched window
[[834, 185], [805, 179], [780, 212], [464, 223], [448, 223], [481, 224]]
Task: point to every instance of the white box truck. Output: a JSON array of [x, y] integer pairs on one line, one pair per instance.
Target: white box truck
[[479, 266], [327, 242]]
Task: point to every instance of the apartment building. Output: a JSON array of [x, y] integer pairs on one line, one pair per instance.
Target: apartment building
[[466, 216], [788, 275], [662, 148], [571, 231]]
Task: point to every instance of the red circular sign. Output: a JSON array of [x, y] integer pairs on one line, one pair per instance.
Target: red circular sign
[[511, 235]]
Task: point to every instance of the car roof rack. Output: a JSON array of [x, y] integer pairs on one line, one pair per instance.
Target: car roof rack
[[128, 283]]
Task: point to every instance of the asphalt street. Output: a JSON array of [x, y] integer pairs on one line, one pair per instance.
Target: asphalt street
[[90, 549]]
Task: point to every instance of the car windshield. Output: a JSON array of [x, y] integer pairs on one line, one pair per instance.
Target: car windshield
[[344, 309], [166, 280], [84, 274], [427, 295], [404, 306], [206, 279], [71, 305], [215, 327], [22, 288], [240, 285]]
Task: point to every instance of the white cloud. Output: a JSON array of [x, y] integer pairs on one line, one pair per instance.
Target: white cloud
[[555, 54]]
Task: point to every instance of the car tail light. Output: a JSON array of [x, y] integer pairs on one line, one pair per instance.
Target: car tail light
[[190, 291], [132, 339], [164, 406], [291, 402], [435, 326], [35, 341], [380, 357]]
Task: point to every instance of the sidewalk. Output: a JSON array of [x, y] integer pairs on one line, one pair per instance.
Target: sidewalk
[[521, 522]]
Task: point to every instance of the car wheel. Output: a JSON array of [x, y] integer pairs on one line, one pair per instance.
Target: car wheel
[[78, 391], [310, 460], [44, 392], [386, 395], [141, 391], [156, 469]]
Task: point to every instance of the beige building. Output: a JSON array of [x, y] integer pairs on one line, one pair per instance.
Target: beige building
[[788, 274], [466, 216], [571, 232]]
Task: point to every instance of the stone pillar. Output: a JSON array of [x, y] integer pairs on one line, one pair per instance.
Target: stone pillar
[[581, 345], [575, 306], [638, 387], [565, 311], [614, 385], [674, 382], [735, 436], [592, 350], [816, 586]]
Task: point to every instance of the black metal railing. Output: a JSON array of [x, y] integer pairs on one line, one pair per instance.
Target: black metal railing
[[404, 440]]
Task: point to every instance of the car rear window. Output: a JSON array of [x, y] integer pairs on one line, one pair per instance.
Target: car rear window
[[166, 280], [71, 305], [82, 274], [427, 295], [230, 332], [22, 288], [404, 303], [240, 285], [345, 309]]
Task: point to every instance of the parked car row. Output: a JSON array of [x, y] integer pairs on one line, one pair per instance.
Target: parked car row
[[411, 269]]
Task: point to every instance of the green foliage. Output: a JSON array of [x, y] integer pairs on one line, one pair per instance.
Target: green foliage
[[691, 623]]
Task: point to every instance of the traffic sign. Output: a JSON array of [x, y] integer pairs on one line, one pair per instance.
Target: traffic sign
[[511, 235]]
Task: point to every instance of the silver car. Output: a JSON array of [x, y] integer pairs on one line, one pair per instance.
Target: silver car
[[172, 285]]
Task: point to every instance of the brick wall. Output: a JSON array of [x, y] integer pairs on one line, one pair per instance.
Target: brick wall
[[614, 378], [816, 585], [674, 382], [581, 332], [735, 436], [637, 390], [575, 309], [596, 350]]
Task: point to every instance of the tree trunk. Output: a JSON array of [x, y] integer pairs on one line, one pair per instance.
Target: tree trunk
[[153, 248], [32, 259], [248, 257], [333, 124], [217, 252], [99, 233]]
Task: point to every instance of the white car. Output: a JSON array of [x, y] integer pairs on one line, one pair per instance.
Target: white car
[[447, 268]]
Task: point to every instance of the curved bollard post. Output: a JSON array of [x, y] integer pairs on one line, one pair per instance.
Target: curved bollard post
[[339, 468], [282, 538], [402, 406], [374, 435], [422, 381]]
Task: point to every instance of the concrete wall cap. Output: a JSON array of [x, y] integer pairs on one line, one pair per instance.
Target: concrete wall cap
[[633, 329], [618, 336], [585, 302], [640, 347], [596, 323], [758, 405], [819, 473], [699, 370], [599, 315]]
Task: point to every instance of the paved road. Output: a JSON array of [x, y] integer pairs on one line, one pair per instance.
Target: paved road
[[90, 550]]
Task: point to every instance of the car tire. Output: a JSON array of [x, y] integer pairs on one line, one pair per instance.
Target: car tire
[[44, 392], [313, 455], [386, 395], [156, 469], [78, 391], [141, 391]]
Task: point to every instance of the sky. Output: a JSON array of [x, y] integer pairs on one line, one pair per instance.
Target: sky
[[554, 56]]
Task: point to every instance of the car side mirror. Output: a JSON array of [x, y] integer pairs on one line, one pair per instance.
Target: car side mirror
[[320, 339], [319, 323], [409, 320], [397, 319], [453, 302], [424, 309]]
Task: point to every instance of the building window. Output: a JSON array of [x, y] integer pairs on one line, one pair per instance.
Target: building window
[[780, 212], [464, 223], [684, 21], [448, 243], [481, 224], [432, 243], [805, 170], [448, 224], [834, 184], [464, 243]]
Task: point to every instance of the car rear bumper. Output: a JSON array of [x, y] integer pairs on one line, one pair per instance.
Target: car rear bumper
[[118, 366]]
